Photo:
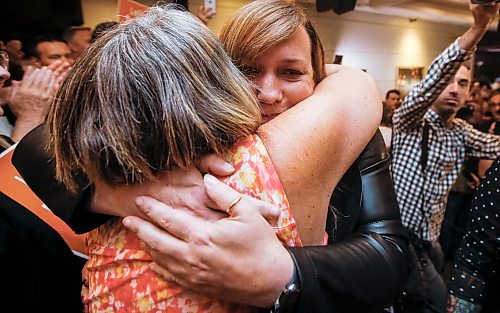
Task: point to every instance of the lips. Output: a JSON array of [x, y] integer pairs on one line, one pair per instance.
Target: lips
[[451, 101]]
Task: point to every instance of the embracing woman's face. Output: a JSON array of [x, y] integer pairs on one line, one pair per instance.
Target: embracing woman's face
[[283, 75]]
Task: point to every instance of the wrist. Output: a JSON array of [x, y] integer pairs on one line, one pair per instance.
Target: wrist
[[275, 280], [24, 126], [288, 298], [30, 120]]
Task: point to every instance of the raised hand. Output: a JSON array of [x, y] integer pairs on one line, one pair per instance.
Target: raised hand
[[30, 99], [205, 15]]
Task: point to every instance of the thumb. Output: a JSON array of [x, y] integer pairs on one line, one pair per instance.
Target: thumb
[[214, 165], [224, 197]]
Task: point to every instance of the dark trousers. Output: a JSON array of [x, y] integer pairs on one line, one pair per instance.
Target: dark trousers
[[455, 220], [426, 291]]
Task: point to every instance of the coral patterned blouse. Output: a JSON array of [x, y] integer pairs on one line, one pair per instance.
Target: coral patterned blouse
[[117, 272]]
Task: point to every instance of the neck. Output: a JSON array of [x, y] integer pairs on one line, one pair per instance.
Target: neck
[[446, 119]]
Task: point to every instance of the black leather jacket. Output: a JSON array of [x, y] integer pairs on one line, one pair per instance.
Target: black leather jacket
[[363, 269]]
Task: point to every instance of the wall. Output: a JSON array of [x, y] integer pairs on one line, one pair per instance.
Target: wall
[[379, 44]]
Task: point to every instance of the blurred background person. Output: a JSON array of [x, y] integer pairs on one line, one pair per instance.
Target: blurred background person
[[47, 49], [393, 98], [78, 39]]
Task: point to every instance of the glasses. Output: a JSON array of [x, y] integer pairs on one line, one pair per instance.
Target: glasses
[[4, 60]]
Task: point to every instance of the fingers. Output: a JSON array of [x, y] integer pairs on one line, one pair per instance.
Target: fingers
[[154, 237], [475, 178], [209, 13], [162, 272], [61, 70], [54, 65], [225, 198], [215, 165], [38, 80], [177, 222], [43, 78], [28, 76]]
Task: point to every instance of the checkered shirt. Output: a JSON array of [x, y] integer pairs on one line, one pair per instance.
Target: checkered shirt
[[422, 195]]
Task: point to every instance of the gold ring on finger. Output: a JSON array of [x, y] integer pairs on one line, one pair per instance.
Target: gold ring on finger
[[235, 202]]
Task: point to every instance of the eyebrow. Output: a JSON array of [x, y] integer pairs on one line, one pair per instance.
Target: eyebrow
[[293, 60]]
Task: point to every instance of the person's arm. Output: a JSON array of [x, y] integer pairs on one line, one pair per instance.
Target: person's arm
[[481, 145], [421, 97], [201, 256], [341, 277], [313, 143], [205, 15], [442, 69], [87, 208], [373, 234]]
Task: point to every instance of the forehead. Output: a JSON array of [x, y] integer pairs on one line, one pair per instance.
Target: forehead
[[393, 95], [295, 48], [463, 73], [50, 47]]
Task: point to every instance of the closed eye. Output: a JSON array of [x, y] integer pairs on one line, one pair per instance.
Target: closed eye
[[249, 71], [292, 72]]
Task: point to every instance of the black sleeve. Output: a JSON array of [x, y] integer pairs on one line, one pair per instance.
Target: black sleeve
[[37, 268], [366, 269], [37, 168], [478, 257]]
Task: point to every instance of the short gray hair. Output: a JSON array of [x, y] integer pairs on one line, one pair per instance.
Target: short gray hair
[[156, 92]]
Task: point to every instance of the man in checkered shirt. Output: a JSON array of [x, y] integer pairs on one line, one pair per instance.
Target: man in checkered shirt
[[422, 185]]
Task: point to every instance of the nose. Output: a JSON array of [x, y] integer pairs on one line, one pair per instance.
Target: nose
[[454, 87], [4, 75], [268, 89]]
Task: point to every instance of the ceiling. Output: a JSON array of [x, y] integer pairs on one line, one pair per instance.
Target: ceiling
[[445, 11]]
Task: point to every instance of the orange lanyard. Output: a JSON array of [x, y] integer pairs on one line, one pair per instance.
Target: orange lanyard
[[13, 186]]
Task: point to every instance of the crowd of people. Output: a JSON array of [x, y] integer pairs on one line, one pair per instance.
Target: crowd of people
[[230, 174]]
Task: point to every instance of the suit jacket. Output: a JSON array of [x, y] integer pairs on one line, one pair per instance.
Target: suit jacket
[[38, 270]]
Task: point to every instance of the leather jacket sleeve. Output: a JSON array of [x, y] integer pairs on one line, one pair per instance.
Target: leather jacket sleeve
[[364, 267], [37, 168]]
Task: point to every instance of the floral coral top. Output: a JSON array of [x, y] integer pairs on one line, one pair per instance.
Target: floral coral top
[[117, 272]]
